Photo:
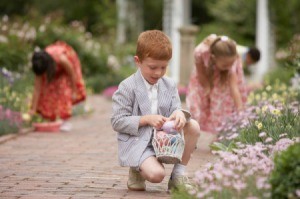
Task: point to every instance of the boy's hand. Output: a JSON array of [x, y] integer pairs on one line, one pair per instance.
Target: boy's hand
[[153, 120], [179, 119]]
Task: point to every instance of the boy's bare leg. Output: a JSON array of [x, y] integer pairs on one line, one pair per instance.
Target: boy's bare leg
[[191, 135], [152, 170]]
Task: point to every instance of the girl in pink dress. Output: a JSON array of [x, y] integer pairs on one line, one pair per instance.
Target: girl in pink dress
[[58, 81], [216, 88]]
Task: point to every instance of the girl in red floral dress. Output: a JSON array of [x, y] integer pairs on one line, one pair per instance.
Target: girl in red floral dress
[[58, 81], [216, 88]]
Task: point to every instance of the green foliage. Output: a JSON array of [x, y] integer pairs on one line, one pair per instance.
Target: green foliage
[[285, 178], [234, 18], [293, 60], [200, 13], [15, 96], [274, 125], [97, 16], [101, 81], [8, 7], [280, 73], [14, 54], [6, 127], [218, 146], [181, 193], [286, 18], [153, 19]]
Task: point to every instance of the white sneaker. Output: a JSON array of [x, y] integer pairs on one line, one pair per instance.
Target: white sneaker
[[66, 127]]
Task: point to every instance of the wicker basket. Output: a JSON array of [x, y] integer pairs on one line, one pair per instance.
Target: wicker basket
[[168, 147]]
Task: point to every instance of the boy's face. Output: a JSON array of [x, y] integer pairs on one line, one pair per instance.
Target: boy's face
[[152, 69], [249, 60]]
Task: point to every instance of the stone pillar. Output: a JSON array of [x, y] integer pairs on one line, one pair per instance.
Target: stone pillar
[[262, 39], [187, 43]]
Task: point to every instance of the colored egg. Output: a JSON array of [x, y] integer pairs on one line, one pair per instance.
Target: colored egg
[[169, 126]]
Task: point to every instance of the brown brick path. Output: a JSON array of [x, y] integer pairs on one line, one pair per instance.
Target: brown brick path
[[77, 164]]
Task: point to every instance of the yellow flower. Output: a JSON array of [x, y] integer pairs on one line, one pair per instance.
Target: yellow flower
[[257, 97], [259, 125], [283, 87], [268, 88], [264, 109], [26, 117], [275, 96], [276, 112]]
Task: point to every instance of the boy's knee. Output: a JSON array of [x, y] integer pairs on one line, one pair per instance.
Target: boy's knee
[[156, 176], [193, 128]]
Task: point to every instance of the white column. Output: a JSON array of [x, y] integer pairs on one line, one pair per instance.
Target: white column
[[262, 39], [175, 18], [121, 23]]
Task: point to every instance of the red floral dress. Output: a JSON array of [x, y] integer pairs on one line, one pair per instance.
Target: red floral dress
[[55, 99], [212, 109]]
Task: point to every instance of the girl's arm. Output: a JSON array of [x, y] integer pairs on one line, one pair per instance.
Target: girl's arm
[[235, 92], [67, 66], [36, 94]]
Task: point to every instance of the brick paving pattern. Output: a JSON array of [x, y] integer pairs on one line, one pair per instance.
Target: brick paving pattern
[[78, 164]]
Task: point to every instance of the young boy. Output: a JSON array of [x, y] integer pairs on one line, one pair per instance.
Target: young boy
[[144, 101], [249, 55]]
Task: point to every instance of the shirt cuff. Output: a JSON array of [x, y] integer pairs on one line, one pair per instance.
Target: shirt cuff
[[187, 115]]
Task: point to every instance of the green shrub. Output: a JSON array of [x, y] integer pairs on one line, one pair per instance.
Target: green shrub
[[285, 178], [280, 73], [15, 95], [14, 54]]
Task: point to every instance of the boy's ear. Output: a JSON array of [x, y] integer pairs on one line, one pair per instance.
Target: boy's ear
[[137, 60]]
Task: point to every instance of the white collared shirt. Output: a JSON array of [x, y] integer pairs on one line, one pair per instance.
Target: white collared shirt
[[152, 94]]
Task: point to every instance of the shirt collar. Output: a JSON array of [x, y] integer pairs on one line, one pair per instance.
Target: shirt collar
[[149, 86]]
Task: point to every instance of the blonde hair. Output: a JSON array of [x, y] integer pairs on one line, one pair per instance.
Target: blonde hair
[[154, 44], [222, 46]]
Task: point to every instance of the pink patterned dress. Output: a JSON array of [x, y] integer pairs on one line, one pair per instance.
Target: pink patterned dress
[[55, 99], [212, 109]]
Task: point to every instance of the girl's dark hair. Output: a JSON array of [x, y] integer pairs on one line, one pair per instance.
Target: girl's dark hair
[[43, 63]]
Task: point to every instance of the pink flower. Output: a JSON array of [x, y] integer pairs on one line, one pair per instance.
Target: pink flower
[[269, 139], [262, 134], [182, 90], [108, 92]]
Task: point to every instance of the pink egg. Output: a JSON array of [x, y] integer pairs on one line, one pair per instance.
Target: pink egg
[[168, 126]]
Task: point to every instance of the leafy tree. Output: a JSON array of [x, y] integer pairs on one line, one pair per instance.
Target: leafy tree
[[235, 18], [285, 17], [153, 14], [8, 7], [99, 17]]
